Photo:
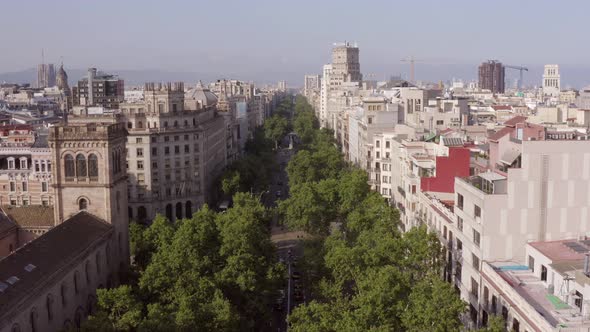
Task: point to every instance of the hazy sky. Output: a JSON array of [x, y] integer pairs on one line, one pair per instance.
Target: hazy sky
[[257, 36]]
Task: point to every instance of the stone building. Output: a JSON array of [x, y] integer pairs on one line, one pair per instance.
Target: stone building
[[176, 147], [54, 290], [99, 89]]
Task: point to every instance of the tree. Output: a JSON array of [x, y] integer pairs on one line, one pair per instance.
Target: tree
[[275, 128], [433, 306], [230, 183], [118, 310], [496, 323]]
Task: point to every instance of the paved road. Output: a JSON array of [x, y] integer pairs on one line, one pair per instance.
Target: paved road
[[288, 243]]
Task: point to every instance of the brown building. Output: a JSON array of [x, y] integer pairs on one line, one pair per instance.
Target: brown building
[[491, 76], [50, 283]]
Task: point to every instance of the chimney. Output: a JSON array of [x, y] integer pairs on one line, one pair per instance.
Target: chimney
[[587, 265]]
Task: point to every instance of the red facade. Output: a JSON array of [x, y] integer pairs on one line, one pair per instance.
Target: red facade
[[447, 168]]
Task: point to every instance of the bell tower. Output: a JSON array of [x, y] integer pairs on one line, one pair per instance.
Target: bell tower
[[90, 174]]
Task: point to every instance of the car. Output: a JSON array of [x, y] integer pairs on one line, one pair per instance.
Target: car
[[296, 275]]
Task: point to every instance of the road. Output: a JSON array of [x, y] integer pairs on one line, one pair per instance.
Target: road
[[288, 243]]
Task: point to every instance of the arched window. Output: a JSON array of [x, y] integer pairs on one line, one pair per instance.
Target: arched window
[[76, 280], [118, 197], [82, 204], [49, 304], [93, 166], [97, 258], [63, 291], [33, 319], [81, 167], [78, 317], [141, 213], [155, 126], [69, 166], [139, 124], [189, 209], [178, 210], [87, 270], [169, 212]]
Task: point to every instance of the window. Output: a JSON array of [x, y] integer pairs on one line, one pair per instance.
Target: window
[[543, 273], [81, 167], [475, 261], [140, 164], [154, 138], [474, 288], [186, 148], [166, 138], [176, 149], [140, 178], [12, 186], [476, 237], [460, 223], [186, 137], [370, 120], [37, 166], [459, 245], [154, 151], [494, 301], [49, 305], [138, 140], [23, 163], [460, 201], [476, 211], [532, 263], [154, 164], [63, 294], [176, 138], [93, 166], [387, 144], [82, 204], [139, 152], [167, 150], [69, 166], [377, 144], [578, 300], [440, 122], [25, 202], [11, 163], [76, 277]]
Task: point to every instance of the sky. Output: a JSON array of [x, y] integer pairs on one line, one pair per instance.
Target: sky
[[257, 37]]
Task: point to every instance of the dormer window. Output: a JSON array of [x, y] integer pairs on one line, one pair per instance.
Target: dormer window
[[11, 164], [23, 163]]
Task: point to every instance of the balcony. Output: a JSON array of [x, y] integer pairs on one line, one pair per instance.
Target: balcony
[[490, 183], [401, 191]]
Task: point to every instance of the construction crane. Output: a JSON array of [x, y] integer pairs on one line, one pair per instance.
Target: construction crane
[[520, 69], [412, 62]]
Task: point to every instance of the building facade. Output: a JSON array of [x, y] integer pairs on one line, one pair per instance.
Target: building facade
[[491, 76]]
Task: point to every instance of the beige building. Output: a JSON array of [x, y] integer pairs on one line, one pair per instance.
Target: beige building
[[175, 149]]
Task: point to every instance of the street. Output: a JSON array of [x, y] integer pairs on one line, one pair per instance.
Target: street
[[288, 243]]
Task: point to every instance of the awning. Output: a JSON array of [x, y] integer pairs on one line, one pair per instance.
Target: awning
[[509, 157]]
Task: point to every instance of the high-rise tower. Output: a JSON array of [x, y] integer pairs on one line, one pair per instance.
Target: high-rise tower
[[491, 76]]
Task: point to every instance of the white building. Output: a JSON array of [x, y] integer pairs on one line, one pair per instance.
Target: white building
[[551, 81]]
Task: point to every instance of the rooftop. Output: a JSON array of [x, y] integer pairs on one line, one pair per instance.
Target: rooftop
[[533, 291], [30, 216], [563, 250], [37, 263]]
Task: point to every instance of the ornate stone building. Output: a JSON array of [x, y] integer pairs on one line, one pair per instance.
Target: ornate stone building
[[50, 283]]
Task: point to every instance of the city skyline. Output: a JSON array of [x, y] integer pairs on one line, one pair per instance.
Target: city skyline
[[531, 34]]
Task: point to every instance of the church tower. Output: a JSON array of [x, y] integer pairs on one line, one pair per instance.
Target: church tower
[[90, 174]]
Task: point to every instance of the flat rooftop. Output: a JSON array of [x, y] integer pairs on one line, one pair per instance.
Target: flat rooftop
[[530, 287]]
